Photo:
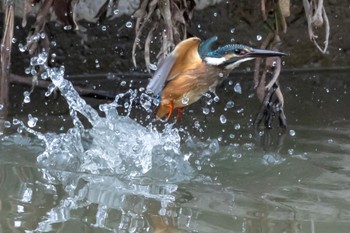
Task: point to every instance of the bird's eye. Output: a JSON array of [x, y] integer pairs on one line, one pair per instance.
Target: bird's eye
[[237, 51], [240, 51]]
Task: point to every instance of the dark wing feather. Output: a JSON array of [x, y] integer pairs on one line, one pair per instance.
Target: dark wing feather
[[158, 80]]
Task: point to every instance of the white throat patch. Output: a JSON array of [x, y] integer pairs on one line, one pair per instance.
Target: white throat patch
[[214, 61], [219, 61], [237, 63]]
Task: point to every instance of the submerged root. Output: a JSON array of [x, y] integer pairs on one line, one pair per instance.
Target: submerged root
[[316, 17], [270, 94]]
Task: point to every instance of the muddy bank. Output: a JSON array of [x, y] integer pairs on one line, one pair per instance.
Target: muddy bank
[[106, 47]]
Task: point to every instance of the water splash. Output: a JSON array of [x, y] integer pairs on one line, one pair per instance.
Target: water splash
[[114, 145], [116, 154], [74, 101]]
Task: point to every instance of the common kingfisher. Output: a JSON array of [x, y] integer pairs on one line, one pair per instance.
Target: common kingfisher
[[193, 68]]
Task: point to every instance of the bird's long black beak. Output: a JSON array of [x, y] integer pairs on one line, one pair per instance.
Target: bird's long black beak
[[264, 53]]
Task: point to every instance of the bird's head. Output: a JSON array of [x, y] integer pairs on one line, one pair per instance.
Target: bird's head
[[232, 55]]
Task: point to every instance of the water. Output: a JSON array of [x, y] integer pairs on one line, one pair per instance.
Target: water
[[211, 172]]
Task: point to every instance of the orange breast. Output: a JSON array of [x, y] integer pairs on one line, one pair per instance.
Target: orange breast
[[188, 87]]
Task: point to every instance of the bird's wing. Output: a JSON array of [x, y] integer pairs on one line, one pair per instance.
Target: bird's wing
[[185, 56], [157, 82]]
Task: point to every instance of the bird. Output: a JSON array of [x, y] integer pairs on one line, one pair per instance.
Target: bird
[[194, 68]]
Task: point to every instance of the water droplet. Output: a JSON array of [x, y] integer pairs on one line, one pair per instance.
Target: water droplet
[[104, 28], [126, 105], [14, 40], [216, 98], [292, 132], [42, 58], [232, 30], [50, 89], [162, 212], [237, 126], [7, 124], [22, 48], [272, 159], [215, 14], [15, 121], [146, 102], [116, 11], [258, 37], [206, 111], [152, 67], [290, 151], [330, 141], [223, 119], [39, 60], [33, 72], [27, 70], [240, 110], [67, 27], [238, 88], [128, 24], [237, 155], [1, 106], [32, 121], [199, 26], [185, 100], [122, 83], [232, 136], [26, 95], [197, 125], [33, 61], [44, 76], [207, 95], [230, 104]]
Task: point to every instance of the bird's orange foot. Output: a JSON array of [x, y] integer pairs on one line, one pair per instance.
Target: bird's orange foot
[[171, 108]]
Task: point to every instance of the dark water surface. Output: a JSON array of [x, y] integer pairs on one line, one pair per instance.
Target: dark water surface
[[222, 176]]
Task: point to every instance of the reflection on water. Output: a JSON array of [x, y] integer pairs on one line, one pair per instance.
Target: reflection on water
[[204, 175]]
